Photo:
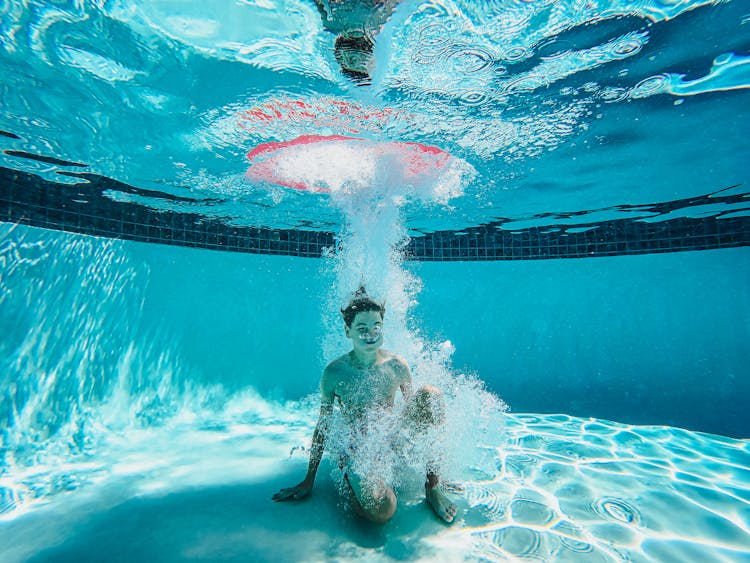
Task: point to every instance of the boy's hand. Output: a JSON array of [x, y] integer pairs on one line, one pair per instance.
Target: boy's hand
[[297, 492]]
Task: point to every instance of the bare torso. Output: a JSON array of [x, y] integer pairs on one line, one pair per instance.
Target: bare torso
[[358, 389]]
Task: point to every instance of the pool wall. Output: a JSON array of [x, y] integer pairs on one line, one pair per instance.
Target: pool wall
[[650, 339]]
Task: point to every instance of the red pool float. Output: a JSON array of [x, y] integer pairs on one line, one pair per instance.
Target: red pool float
[[317, 163]]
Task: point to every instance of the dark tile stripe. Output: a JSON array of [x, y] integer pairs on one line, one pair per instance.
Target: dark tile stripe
[[611, 238], [82, 208], [28, 199], [45, 159]]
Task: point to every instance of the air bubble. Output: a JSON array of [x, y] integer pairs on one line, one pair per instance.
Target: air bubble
[[523, 84], [428, 55], [471, 59], [554, 48], [515, 54], [521, 542], [473, 98], [627, 47], [433, 34], [576, 545], [531, 512], [650, 86], [617, 509], [611, 95]]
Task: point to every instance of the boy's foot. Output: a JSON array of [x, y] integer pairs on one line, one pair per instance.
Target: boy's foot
[[440, 503]]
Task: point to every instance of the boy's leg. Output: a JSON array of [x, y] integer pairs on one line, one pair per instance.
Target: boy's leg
[[427, 409], [376, 504], [434, 492]]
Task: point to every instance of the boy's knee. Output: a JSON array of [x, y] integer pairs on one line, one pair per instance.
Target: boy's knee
[[429, 402], [383, 509], [387, 507]]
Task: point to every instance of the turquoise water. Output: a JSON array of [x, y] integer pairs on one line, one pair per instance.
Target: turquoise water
[[153, 398], [128, 441]]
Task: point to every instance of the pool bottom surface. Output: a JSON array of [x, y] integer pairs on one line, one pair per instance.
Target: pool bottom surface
[[565, 489]]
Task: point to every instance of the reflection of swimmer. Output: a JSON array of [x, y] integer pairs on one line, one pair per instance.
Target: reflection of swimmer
[[355, 23], [363, 382]]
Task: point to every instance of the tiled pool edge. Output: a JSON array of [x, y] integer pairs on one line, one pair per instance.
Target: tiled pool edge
[[81, 208]]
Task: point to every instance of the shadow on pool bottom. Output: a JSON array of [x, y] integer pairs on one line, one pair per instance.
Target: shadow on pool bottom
[[238, 522]]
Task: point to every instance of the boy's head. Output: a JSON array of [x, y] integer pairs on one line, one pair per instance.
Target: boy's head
[[360, 303]]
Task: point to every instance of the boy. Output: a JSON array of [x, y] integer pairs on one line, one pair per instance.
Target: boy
[[367, 378], [356, 23]]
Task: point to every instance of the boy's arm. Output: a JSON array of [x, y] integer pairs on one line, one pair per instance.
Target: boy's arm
[[316, 450], [405, 384], [319, 440]]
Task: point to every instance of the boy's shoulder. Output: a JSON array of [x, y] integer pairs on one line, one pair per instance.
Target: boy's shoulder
[[391, 358], [335, 373], [337, 365], [337, 368], [395, 364]]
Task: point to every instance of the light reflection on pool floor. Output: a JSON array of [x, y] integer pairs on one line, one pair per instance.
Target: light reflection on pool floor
[[567, 489], [590, 490]]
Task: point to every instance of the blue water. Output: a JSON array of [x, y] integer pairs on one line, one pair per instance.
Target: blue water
[[153, 398]]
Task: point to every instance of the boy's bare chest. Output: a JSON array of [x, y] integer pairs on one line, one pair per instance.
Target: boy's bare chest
[[362, 388]]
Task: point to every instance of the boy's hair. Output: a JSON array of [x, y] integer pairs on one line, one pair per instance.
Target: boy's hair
[[360, 303]]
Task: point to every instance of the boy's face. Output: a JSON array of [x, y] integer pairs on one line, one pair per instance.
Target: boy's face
[[366, 331]]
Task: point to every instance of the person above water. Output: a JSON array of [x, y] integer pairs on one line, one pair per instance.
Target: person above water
[[356, 24], [361, 384]]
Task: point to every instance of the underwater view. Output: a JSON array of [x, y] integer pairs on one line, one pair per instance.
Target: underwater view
[[375, 280]]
